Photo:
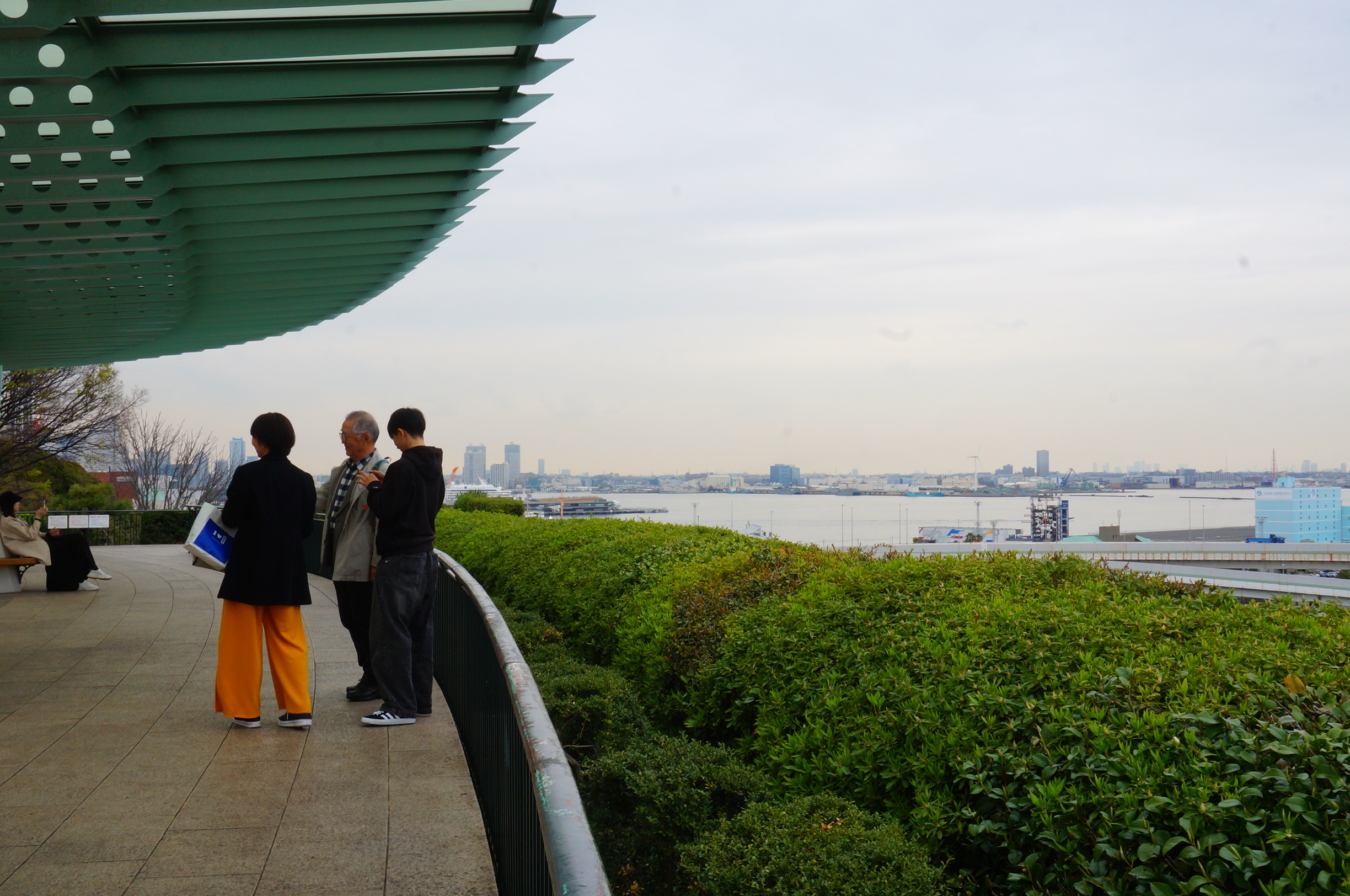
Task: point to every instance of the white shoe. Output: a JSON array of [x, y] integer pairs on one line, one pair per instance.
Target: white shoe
[[87, 586], [99, 574]]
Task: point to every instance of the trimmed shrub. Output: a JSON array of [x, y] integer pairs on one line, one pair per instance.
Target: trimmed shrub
[[812, 846], [1046, 726], [587, 577], [1038, 718], [645, 802], [165, 526], [477, 502]]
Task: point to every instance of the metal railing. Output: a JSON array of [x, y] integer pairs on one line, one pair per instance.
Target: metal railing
[[134, 526], [536, 826]]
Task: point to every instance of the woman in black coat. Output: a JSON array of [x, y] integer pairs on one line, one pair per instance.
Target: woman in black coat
[[271, 503]]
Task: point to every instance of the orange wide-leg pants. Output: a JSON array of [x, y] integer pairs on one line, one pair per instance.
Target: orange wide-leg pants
[[239, 659]]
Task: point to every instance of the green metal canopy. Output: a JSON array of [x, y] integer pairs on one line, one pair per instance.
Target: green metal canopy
[[177, 175]]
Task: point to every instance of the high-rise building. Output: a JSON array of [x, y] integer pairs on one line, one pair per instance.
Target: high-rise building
[[475, 465], [497, 475], [1042, 463], [541, 466], [1301, 514], [236, 453], [785, 474], [512, 461]]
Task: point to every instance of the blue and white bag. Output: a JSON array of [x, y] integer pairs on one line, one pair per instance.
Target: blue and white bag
[[210, 540]]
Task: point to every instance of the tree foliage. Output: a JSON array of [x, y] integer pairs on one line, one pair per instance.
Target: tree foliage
[[62, 485], [68, 412]]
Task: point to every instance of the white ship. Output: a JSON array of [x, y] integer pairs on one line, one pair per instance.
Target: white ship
[[454, 489]]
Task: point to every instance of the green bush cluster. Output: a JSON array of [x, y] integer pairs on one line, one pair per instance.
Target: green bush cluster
[[1042, 726], [165, 526], [482, 503]]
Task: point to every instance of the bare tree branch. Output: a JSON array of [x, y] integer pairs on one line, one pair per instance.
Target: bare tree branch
[[70, 412], [172, 465]]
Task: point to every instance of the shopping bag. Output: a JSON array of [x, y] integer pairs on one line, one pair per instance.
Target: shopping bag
[[209, 539]]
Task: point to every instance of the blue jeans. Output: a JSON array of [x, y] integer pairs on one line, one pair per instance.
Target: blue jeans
[[401, 631]]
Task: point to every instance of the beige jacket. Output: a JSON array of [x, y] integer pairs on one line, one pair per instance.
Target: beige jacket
[[24, 539], [354, 535]]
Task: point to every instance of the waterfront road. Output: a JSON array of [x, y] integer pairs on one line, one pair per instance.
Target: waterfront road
[[1216, 555], [119, 779]]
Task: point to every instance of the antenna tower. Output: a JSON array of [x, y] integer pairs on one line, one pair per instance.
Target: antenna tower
[[1274, 470]]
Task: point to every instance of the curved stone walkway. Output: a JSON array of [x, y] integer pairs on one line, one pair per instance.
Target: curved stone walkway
[[119, 779]]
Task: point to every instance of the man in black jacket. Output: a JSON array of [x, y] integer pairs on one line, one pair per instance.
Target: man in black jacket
[[405, 500]]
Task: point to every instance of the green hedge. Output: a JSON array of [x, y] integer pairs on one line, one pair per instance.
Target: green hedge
[[481, 503], [165, 526], [1044, 726]]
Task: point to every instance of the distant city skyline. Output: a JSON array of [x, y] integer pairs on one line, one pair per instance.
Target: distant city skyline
[[475, 467]]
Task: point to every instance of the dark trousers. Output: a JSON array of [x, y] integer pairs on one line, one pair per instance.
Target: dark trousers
[[72, 561], [401, 631], [353, 600]]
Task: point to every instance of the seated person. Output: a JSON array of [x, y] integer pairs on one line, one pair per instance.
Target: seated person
[[70, 564]]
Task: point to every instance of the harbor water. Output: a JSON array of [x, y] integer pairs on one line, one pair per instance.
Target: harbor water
[[867, 521]]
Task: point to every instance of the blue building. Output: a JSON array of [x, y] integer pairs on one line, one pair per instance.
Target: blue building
[[1301, 514]]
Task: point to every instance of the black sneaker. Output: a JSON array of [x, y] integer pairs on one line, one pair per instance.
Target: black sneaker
[[387, 717], [363, 695], [255, 722], [423, 713], [295, 719]]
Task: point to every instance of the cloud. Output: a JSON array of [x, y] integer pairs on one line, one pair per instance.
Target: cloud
[[1051, 197], [900, 336]]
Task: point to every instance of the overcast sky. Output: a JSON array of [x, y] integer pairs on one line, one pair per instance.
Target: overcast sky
[[873, 234]]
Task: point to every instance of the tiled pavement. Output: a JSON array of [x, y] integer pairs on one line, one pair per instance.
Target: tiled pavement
[[118, 778]]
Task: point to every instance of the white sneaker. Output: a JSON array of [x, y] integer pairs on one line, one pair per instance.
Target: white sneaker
[[99, 574], [87, 586]]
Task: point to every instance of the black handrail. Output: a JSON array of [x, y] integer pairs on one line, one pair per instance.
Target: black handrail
[[536, 826]]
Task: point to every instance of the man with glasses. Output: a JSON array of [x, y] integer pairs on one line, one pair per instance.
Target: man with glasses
[[349, 540]]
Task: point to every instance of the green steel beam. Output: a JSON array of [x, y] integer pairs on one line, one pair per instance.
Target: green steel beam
[[48, 15], [314, 144], [355, 188], [171, 208], [142, 230], [233, 127], [133, 45], [106, 165], [356, 113], [194, 85]]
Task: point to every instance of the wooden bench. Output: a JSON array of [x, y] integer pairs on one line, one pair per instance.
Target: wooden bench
[[20, 566]]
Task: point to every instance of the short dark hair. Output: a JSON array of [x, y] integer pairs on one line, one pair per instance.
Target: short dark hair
[[410, 420], [274, 431], [8, 501]]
